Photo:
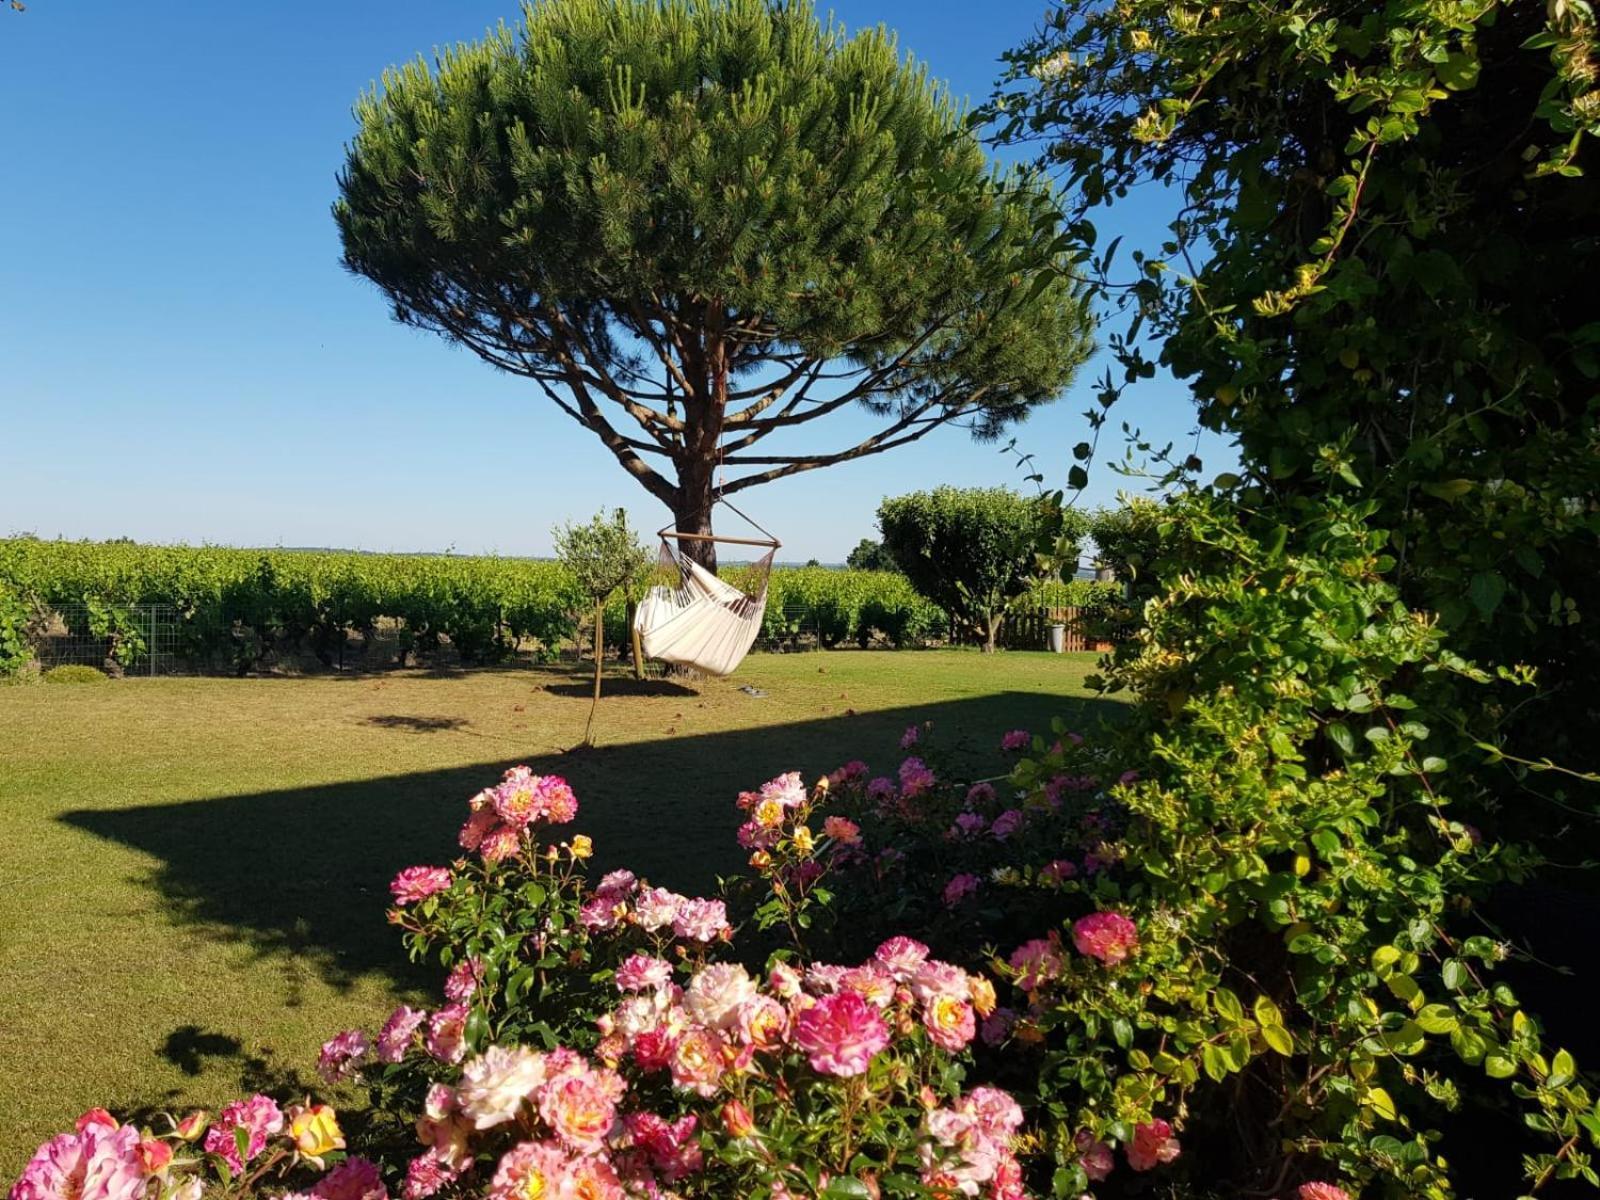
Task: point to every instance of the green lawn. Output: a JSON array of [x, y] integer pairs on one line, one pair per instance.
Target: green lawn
[[193, 873]]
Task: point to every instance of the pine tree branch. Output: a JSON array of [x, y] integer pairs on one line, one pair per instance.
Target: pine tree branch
[[872, 445], [588, 413], [643, 327], [651, 421], [771, 395]]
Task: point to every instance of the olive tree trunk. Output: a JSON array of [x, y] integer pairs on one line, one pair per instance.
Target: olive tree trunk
[[599, 662], [633, 637], [991, 630]]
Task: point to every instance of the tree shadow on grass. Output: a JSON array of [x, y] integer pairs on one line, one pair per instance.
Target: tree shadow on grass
[[196, 1050], [188, 1046], [301, 874], [418, 724], [582, 689]]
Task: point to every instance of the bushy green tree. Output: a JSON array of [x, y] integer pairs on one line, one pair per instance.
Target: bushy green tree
[[870, 555], [695, 225], [974, 551], [604, 556], [1318, 993]]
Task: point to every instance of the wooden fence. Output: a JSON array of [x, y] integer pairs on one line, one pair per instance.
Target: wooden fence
[[1030, 630]]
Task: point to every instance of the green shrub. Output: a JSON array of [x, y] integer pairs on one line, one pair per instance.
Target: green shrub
[[75, 673]]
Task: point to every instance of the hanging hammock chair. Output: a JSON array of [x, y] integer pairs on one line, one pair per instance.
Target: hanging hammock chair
[[697, 620]]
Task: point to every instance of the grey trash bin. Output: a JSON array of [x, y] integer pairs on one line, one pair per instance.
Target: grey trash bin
[[1058, 639]]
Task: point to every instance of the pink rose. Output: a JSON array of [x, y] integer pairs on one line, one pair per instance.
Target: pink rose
[[1152, 1145], [353, 1179], [1094, 1156], [959, 888], [463, 980], [901, 957], [447, 1033], [915, 777], [394, 1039], [425, 1176], [840, 1033], [1107, 936], [643, 973], [340, 1057], [1038, 962], [1006, 824], [842, 830], [418, 883], [259, 1117], [701, 920]]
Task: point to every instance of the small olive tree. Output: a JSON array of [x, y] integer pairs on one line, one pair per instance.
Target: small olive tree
[[603, 556], [975, 551]]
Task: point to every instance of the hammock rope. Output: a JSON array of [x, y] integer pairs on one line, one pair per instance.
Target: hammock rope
[[702, 621]]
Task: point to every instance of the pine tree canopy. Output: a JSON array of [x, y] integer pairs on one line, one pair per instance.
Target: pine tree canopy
[[698, 223]]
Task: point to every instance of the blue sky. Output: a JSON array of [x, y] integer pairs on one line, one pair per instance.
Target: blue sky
[[182, 358]]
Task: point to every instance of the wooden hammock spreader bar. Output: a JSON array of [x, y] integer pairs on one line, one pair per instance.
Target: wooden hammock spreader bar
[[671, 533]]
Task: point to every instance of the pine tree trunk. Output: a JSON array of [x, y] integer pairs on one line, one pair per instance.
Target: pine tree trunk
[[692, 514]]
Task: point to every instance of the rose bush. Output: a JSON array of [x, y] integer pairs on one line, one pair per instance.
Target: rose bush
[[596, 1042], [249, 1147]]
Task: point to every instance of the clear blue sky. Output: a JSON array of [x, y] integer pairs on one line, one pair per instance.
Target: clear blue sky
[[182, 357]]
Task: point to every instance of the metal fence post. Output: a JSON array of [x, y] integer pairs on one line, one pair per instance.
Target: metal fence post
[[152, 641]]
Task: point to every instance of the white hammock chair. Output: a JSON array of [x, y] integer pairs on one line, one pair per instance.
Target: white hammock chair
[[702, 621]]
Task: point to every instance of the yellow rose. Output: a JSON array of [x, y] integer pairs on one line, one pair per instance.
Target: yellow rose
[[769, 814], [582, 846], [802, 839], [982, 993], [315, 1130]]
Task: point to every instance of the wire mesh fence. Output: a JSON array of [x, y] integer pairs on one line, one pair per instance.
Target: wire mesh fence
[[788, 628], [154, 639], [121, 639]]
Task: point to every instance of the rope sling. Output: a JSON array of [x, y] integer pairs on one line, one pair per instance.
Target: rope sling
[[702, 621]]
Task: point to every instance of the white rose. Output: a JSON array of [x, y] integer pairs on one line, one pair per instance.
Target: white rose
[[717, 993], [494, 1085]]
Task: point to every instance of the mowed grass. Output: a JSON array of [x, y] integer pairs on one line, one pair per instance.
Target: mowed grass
[[193, 871]]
